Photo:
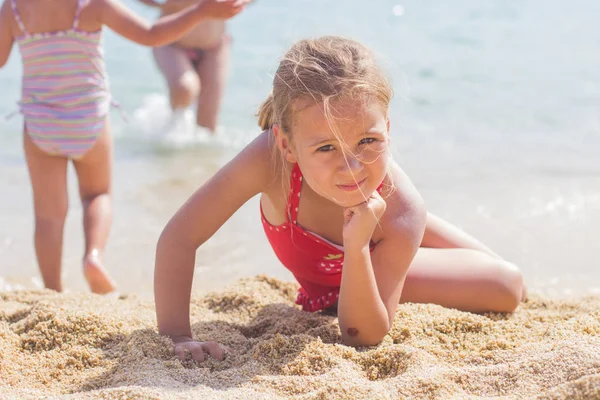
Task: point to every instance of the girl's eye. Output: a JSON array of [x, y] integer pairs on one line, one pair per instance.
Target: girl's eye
[[368, 140], [325, 148]]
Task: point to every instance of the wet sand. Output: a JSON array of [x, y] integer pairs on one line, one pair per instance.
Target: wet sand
[[82, 346]]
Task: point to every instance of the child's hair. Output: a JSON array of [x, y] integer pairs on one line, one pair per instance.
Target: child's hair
[[325, 69]]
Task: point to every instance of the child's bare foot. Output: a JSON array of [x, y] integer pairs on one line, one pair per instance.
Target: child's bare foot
[[96, 275]]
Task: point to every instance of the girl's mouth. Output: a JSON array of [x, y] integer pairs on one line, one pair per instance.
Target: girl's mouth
[[353, 186]]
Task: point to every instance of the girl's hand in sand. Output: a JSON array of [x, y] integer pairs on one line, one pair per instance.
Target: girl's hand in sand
[[198, 350], [360, 221]]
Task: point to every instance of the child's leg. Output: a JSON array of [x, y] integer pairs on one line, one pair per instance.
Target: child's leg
[[441, 234], [179, 73], [464, 279], [455, 270], [48, 176], [94, 172], [212, 69]]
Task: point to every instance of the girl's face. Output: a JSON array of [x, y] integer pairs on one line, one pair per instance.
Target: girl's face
[[345, 158]]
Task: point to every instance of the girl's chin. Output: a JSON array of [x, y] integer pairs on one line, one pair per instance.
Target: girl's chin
[[352, 200]]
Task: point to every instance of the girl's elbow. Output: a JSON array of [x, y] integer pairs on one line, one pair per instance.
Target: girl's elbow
[[156, 41], [152, 37], [150, 41], [168, 239], [365, 341], [352, 337], [177, 236], [165, 236]]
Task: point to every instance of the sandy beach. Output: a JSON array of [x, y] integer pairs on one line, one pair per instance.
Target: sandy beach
[[82, 346], [496, 122]]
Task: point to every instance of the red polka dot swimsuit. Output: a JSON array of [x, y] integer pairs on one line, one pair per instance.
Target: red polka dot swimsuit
[[316, 263]]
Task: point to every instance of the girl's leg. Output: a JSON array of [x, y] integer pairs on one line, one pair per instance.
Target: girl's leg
[[213, 70], [465, 279], [442, 234], [455, 270], [94, 172], [48, 176], [179, 73]]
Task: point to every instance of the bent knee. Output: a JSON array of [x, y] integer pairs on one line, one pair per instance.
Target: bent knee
[[184, 90], [507, 286]]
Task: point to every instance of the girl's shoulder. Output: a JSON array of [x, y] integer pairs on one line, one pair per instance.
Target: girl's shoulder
[[261, 158], [7, 17], [404, 205]]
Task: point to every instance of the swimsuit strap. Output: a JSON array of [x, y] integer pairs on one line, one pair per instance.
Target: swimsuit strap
[[77, 12], [294, 195], [13, 4]]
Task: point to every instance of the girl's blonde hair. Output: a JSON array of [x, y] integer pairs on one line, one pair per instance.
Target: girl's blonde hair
[[325, 69]]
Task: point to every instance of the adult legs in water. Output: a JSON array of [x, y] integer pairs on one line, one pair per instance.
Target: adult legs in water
[[180, 75], [48, 175], [94, 173], [456, 271], [213, 69], [206, 83]]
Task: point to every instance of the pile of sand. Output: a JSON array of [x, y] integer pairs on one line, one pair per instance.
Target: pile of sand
[[85, 346]]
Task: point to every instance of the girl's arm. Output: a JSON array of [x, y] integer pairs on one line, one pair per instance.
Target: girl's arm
[[6, 36], [442, 234], [169, 28], [372, 281], [196, 221]]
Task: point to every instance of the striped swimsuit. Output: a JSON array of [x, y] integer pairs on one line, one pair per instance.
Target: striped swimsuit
[[65, 95]]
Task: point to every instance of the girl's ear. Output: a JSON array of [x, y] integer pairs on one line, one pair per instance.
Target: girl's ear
[[284, 144]]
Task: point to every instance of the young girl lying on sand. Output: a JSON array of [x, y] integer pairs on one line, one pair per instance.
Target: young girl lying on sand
[[339, 213]]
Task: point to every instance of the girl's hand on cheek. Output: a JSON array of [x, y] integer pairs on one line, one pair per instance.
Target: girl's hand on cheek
[[360, 221]]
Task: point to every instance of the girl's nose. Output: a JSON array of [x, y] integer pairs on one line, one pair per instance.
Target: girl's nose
[[351, 163]]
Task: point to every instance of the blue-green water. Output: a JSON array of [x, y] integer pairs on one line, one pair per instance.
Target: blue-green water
[[496, 118]]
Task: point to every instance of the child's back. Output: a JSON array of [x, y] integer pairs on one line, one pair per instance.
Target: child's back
[[42, 16], [64, 77]]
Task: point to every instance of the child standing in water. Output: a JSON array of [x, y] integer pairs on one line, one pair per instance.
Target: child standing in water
[[65, 103], [339, 213], [195, 67]]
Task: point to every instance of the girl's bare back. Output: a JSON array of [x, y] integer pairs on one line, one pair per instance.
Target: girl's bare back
[[40, 16]]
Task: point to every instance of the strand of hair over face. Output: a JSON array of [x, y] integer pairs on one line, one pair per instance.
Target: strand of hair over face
[[325, 70]]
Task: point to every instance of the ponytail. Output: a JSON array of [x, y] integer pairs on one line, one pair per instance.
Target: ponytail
[[266, 114]]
